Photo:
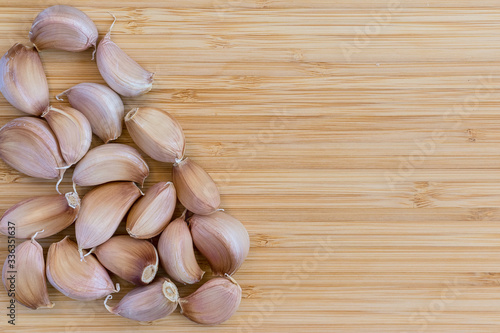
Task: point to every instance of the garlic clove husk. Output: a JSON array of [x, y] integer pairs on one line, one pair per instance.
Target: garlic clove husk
[[22, 80], [72, 130], [101, 106], [213, 303], [133, 260], [28, 145], [196, 190], [52, 213], [83, 280], [64, 28], [176, 250], [101, 212], [147, 303], [157, 133], [108, 163], [149, 216], [122, 73]]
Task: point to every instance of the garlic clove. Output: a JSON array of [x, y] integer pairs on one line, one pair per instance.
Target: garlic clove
[[222, 239], [101, 106], [196, 190], [22, 80], [157, 133], [213, 303], [177, 253], [108, 163], [133, 260], [28, 145], [52, 213], [23, 275], [103, 208], [83, 280], [149, 216], [147, 303], [72, 130], [64, 28], [120, 71]]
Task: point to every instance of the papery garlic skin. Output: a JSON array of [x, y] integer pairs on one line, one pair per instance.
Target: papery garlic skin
[[133, 260], [22, 80], [83, 280], [64, 28], [149, 216], [213, 303], [157, 133]]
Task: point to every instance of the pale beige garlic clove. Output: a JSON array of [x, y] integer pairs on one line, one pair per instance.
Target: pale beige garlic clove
[[103, 208], [120, 71], [175, 247], [222, 239], [101, 106], [157, 133], [213, 303], [149, 216], [196, 190], [83, 280], [133, 260], [108, 163], [147, 303], [52, 213], [22, 80], [23, 275]]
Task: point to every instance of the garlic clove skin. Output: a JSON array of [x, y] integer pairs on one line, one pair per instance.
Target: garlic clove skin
[[213, 303], [63, 28], [133, 260], [222, 239], [101, 106], [22, 80], [177, 253], [157, 133], [52, 213], [83, 280], [72, 130], [108, 163], [28, 283], [149, 216], [196, 190], [102, 210], [28, 145], [147, 303]]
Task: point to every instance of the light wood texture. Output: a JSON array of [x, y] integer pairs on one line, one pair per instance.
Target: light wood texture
[[357, 140]]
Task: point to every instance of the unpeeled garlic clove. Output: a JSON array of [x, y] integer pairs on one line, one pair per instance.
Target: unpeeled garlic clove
[[64, 28], [52, 213], [23, 275], [120, 71], [28, 145], [83, 280], [101, 106], [72, 130], [157, 133], [177, 254], [213, 303], [149, 216], [108, 163], [147, 303], [22, 80], [222, 239], [103, 208], [133, 260], [196, 190]]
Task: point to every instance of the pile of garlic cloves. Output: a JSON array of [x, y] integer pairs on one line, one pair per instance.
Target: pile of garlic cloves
[[53, 138]]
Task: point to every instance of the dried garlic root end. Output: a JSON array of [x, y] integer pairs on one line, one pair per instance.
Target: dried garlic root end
[[130, 115], [73, 199], [170, 291], [149, 273]]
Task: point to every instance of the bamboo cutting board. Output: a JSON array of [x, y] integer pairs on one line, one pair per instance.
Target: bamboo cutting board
[[357, 140]]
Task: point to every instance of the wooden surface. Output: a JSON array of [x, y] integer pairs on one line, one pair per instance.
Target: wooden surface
[[358, 141]]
